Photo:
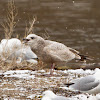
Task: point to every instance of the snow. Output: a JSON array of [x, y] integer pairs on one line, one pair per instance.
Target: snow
[[29, 84], [85, 97], [80, 71], [25, 74]]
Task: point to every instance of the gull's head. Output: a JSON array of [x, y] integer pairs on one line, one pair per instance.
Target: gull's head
[[48, 94], [32, 39]]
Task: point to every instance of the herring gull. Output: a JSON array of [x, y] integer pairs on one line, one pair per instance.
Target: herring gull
[[52, 52], [88, 84], [49, 95]]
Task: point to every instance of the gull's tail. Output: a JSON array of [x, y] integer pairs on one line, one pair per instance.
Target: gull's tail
[[68, 84], [79, 56], [84, 57]]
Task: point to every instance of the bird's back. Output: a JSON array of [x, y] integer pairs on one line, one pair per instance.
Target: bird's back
[[56, 52]]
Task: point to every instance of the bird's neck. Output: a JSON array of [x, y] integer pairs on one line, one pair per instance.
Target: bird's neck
[[38, 47]]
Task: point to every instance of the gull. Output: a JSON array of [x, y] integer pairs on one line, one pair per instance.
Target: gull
[[8, 45], [52, 52], [23, 54], [13, 49], [88, 84], [49, 95]]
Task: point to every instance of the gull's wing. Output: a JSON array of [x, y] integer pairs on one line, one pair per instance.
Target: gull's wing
[[24, 53], [29, 54], [85, 84], [58, 51], [73, 50], [77, 55]]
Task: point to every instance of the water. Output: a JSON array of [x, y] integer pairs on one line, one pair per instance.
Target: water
[[76, 23]]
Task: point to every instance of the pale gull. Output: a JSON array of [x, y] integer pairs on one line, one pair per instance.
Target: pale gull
[[12, 49], [9, 45], [23, 54], [49, 95], [88, 84], [50, 51]]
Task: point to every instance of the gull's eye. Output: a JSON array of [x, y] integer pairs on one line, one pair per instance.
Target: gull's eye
[[32, 37]]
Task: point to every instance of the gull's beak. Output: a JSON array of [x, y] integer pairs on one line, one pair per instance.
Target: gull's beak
[[25, 40]]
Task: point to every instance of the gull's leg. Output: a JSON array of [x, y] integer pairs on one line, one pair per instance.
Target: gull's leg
[[51, 71], [52, 68]]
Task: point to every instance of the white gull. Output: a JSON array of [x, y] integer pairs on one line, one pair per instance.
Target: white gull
[[13, 49], [88, 84], [49, 95]]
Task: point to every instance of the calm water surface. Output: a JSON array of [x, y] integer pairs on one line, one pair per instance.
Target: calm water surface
[[74, 23]]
